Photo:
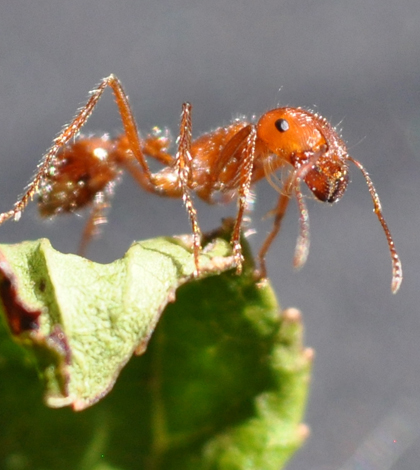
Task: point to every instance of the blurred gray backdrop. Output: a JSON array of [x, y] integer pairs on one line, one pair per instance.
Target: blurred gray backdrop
[[358, 64]]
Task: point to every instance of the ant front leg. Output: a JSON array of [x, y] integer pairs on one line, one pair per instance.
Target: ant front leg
[[184, 168], [302, 245], [72, 129], [279, 213]]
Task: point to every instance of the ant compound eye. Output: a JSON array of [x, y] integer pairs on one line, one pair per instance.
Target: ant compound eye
[[282, 125]]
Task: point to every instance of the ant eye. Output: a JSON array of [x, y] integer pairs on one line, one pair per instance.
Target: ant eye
[[282, 125]]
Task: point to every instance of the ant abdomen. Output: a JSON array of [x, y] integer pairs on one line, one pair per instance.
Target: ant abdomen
[[80, 171]]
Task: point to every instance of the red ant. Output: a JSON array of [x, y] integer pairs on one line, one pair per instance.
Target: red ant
[[226, 161]]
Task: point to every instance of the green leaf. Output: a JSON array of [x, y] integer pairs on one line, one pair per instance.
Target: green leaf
[[222, 385], [84, 320]]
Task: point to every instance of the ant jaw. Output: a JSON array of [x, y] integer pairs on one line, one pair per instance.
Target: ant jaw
[[328, 180]]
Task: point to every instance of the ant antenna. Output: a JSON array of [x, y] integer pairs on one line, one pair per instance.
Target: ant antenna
[[397, 274]]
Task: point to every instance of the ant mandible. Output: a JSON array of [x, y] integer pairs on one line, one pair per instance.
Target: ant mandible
[[226, 161]]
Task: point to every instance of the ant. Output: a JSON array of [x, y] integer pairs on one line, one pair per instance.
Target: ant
[[226, 161]]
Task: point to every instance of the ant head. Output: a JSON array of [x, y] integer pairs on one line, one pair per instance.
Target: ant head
[[328, 179], [291, 131], [311, 145]]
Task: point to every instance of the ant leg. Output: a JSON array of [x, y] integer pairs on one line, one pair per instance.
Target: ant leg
[[130, 126], [8, 215], [97, 217], [303, 241], [302, 244], [184, 167], [279, 212], [156, 146], [245, 177], [73, 128], [397, 274]]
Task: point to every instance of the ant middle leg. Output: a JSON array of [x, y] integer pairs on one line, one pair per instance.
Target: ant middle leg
[[245, 178], [184, 170]]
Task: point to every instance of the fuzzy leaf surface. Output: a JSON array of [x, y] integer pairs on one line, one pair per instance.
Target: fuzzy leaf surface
[[222, 385]]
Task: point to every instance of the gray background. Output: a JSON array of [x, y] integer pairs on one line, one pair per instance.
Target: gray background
[[357, 63]]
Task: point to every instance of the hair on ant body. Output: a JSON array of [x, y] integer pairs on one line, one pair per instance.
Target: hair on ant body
[[227, 161]]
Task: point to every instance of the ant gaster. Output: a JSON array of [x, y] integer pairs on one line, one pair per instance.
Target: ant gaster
[[226, 162]]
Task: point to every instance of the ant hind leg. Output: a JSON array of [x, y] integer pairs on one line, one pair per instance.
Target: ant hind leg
[[72, 129]]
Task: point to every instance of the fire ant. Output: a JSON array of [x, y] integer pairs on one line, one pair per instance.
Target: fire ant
[[226, 162]]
